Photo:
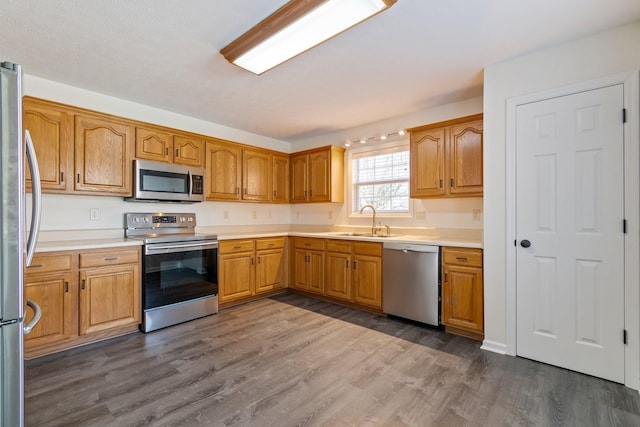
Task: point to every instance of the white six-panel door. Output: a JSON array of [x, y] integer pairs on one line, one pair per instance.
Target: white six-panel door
[[569, 208]]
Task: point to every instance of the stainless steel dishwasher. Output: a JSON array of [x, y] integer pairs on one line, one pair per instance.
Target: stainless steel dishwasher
[[411, 281]]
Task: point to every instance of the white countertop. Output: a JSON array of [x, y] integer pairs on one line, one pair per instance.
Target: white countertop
[[74, 245], [99, 239]]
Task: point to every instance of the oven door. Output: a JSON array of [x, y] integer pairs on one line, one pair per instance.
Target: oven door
[[178, 272]]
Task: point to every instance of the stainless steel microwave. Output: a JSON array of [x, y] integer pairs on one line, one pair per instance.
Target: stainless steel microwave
[[164, 182]]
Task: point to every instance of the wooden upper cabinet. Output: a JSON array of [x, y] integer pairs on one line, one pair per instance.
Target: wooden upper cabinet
[[162, 145], [280, 180], [102, 155], [256, 175], [465, 158], [318, 175], [51, 128], [299, 167], [446, 158], [223, 170], [427, 163], [188, 151], [154, 144]]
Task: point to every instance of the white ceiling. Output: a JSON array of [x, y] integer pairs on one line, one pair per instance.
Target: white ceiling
[[165, 53]]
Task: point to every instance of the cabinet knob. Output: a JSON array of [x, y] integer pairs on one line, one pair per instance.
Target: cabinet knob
[[525, 243]]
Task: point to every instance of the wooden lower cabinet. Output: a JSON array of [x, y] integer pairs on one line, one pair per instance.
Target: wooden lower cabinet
[[109, 297], [50, 282], [462, 292], [270, 264], [308, 264], [84, 296], [367, 280], [339, 273], [250, 267], [352, 270]]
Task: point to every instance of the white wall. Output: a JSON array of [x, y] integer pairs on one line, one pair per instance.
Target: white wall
[[71, 212], [603, 54]]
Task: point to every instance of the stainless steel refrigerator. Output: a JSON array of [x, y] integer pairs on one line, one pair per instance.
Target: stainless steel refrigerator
[[15, 255]]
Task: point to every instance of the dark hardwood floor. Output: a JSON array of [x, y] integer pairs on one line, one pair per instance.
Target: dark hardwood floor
[[290, 361]]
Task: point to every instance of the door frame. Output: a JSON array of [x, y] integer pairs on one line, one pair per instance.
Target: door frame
[[631, 82]]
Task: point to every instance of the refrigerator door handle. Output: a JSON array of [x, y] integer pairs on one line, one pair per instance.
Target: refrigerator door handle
[[36, 202], [37, 314]]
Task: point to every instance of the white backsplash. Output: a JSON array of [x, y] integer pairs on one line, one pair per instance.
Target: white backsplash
[[73, 212]]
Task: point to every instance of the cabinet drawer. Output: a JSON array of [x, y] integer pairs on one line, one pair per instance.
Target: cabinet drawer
[[45, 263], [367, 248], [462, 256], [270, 243], [104, 258], [309, 243], [234, 246], [339, 246]]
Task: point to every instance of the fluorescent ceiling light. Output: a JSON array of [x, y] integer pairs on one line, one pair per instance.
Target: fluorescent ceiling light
[[295, 28]]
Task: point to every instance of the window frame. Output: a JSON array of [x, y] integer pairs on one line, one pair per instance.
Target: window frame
[[373, 150]]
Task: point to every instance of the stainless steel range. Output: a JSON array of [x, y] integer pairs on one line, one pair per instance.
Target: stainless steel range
[[179, 268]]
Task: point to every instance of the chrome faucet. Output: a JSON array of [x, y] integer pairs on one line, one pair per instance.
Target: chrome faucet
[[373, 225]]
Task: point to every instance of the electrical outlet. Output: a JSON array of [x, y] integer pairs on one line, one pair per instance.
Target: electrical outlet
[[254, 214], [225, 214], [330, 214], [94, 214], [476, 214]]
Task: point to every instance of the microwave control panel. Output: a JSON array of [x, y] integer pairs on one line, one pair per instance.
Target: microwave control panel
[[197, 182]]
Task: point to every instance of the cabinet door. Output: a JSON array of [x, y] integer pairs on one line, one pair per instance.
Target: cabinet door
[[465, 159], [319, 176], [153, 144], [315, 271], [236, 276], [223, 169], [55, 294], [51, 129], [103, 156], [339, 275], [300, 271], [298, 176], [188, 151], [462, 299], [427, 163], [367, 280], [256, 175], [109, 298], [270, 270], [280, 179]]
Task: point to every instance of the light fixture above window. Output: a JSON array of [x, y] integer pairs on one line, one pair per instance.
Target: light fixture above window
[[296, 27]]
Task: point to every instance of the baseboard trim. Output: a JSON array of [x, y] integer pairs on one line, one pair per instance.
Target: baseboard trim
[[494, 347]]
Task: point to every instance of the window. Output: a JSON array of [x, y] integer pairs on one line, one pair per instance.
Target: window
[[380, 177]]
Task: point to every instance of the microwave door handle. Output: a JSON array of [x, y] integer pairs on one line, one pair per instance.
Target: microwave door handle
[[190, 183]]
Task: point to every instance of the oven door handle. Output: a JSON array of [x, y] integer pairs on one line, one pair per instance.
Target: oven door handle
[[178, 247]]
